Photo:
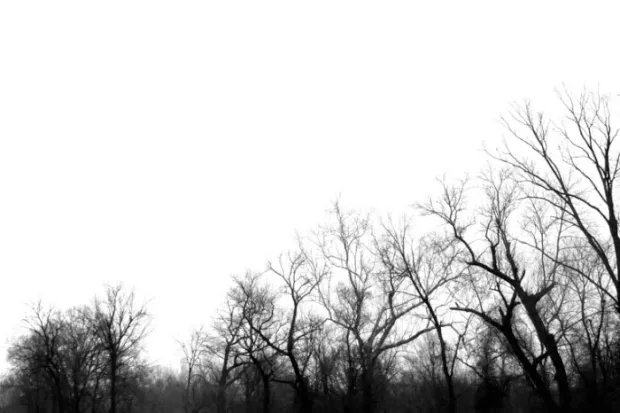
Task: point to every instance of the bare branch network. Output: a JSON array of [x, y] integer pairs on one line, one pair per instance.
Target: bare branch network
[[511, 304]]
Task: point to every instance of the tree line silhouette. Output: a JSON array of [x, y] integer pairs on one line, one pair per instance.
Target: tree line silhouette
[[510, 304]]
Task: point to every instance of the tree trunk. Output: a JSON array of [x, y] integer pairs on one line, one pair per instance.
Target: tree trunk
[[551, 346], [538, 383], [266, 393], [305, 402], [113, 387], [95, 395], [59, 406], [444, 359], [77, 395], [349, 400], [220, 402], [368, 391]]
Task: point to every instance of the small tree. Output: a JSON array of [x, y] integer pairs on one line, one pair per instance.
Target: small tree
[[194, 352]]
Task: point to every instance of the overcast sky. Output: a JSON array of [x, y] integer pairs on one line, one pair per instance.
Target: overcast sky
[[170, 144]]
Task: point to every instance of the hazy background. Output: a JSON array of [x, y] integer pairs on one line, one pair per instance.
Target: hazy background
[[171, 144]]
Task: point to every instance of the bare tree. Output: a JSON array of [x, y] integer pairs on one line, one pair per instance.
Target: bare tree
[[492, 364], [327, 354], [257, 302], [258, 353], [120, 325], [589, 331], [39, 354], [82, 355], [499, 265], [224, 353], [194, 352], [572, 165], [429, 266], [370, 302], [288, 333], [60, 349]]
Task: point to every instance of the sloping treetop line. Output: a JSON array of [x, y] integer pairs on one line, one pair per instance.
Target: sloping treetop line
[[511, 304]]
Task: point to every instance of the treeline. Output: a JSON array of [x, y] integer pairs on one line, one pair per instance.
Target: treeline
[[511, 305], [84, 359]]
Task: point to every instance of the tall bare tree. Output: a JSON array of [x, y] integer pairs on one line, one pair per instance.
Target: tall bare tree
[[60, 349], [573, 165], [289, 333], [82, 355], [120, 325], [370, 303], [494, 260], [224, 352], [39, 354], [261, 357], [429, 266]]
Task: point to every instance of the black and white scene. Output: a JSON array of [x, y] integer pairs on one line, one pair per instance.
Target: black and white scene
[[309, 207]]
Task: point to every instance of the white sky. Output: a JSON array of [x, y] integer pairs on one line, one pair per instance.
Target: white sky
[[171, 144]]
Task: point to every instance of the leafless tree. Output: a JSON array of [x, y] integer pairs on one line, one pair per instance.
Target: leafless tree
[[370, 302], [224, 353], [258, 308], [39, 353], [120, 325], [60, 348], [194, 352], [428, 264], [82, 355], [494, 260], [327, 354], [589, 330], [572, 165], [289, 333], [258, 353]]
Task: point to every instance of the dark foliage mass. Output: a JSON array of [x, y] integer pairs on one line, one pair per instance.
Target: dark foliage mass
[[512, 304]]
